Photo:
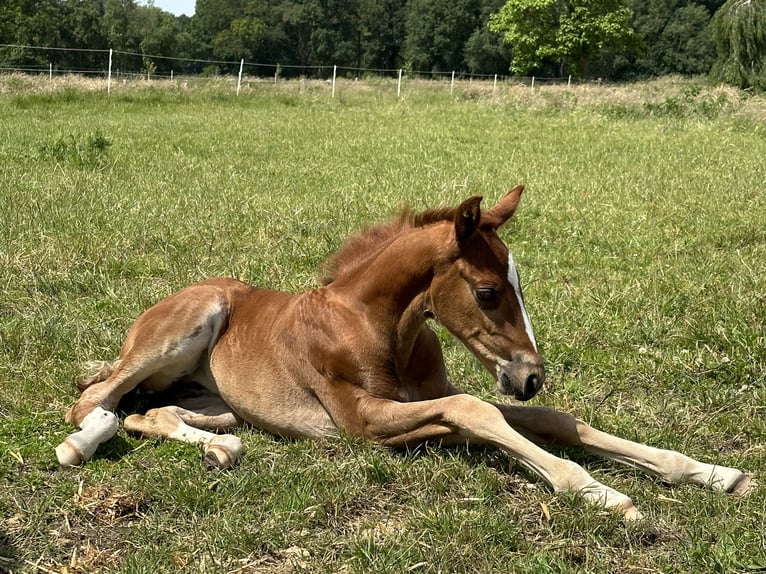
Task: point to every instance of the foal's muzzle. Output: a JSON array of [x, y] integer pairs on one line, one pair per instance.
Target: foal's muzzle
[[521, 377]]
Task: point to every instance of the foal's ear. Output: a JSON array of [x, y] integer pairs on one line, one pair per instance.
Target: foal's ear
[[467, 218], [506, 207]]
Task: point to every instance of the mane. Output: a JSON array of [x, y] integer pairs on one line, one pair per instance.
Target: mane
[[358, 248]]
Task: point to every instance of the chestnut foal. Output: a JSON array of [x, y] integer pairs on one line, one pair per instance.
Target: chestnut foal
[[357, 355]]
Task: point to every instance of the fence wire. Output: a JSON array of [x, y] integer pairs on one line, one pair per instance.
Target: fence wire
[[122, 65]]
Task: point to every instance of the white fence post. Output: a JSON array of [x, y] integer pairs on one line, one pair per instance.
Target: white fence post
[[109, 76], [569, 80], [400, 73]]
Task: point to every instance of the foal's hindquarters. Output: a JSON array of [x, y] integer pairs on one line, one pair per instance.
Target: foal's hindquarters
[[169, 343], [204, 335]]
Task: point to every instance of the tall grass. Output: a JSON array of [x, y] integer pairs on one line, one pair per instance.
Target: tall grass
[[641, 241]]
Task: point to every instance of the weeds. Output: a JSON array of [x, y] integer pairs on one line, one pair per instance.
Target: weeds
[[90, 151]]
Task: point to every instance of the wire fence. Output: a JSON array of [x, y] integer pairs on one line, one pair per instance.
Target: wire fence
[[117, 67]]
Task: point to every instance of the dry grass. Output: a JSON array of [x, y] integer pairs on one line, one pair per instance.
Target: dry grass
[[638, 98]]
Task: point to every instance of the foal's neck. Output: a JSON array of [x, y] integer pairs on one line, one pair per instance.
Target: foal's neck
[[394, 282]]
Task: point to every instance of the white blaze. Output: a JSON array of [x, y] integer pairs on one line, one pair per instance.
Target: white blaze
[[513, 279]]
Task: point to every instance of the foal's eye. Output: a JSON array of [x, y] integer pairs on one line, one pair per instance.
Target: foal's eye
[[486, 295]]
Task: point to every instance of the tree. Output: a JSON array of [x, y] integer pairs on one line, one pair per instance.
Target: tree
[[739, 30], [436, 33], [334, 37], [123, 33], [311, 32], [82, 28], [240, 40], [676, 37], [30, 23], [162, 36], [569, 32], [485, 52], [120, 27], [381, 24]]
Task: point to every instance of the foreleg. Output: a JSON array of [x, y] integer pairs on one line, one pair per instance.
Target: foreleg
[[97, 427], [92, 413], [466, 417], [546, 425]]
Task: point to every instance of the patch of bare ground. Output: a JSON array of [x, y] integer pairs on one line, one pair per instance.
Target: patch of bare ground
[[86, 537]]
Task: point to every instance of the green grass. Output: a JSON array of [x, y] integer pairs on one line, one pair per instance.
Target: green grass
[[641, 241]]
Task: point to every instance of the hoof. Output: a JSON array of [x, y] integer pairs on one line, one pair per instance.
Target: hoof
[[609, 498], [216, 459], [96, 428], [744, 486], [68, 455], [222, 452], [630, 512]]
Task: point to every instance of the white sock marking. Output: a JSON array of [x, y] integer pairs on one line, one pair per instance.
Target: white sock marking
[[192, 435], [513, 279], [98, 427]]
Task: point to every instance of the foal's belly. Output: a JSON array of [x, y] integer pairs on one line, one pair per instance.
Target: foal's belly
[[262, 392], [258, 369], [288, 412]]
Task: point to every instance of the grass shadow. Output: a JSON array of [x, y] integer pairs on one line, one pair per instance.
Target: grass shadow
[[114, 449], [9, 561]]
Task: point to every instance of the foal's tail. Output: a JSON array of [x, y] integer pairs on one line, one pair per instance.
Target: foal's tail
[[95, 372]]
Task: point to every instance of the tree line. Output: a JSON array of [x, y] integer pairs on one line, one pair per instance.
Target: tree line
[[611, 39]]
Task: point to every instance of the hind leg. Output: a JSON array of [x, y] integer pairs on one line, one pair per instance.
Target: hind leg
[[166, 343], [92, 413], [97, 427], [221, 451]]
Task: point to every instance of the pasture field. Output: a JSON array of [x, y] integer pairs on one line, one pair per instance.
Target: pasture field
[[641, 240]]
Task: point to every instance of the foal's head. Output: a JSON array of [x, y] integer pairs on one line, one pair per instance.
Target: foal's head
[[477, 296]]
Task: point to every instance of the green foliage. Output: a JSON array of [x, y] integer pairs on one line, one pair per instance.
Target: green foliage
[[485, 50], [437, 31], [675, 35], [34, 23], [381, 31], [161, 34], [307, 37], [529, 27], [739, 29], [569, 33], [691, 102], [240, 40]]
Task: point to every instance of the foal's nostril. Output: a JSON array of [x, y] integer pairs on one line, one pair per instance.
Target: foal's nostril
[[532, 385], [522, 378]]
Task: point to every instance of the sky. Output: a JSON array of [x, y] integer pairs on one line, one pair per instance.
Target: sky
[[176, 7]]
